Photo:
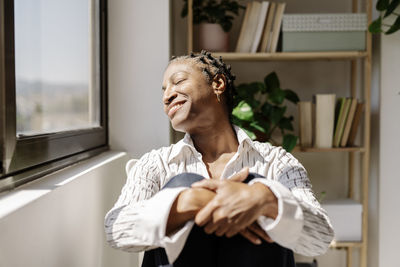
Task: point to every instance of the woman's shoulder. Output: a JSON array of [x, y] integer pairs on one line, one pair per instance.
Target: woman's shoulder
[[158, 154], [271, 152]]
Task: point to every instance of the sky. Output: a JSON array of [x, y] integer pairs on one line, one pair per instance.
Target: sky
[[52, 40]]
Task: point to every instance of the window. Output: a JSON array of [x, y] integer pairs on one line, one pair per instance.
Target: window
[[52, 86]]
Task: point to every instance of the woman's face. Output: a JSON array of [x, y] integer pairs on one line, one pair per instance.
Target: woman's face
[[189, 100]]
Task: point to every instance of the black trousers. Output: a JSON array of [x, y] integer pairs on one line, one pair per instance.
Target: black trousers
[[204, 250]]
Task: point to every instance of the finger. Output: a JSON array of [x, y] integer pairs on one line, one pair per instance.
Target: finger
[[241, 175], [222, 229], [211, 227], [232, 231], [205, 214], [250, 236], [256, 229], [207, 184]]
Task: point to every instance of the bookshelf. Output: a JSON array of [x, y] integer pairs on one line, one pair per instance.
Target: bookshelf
[[360, 61], [278, 56]]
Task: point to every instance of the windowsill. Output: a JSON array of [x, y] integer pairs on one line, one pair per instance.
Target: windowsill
[[13, 200]]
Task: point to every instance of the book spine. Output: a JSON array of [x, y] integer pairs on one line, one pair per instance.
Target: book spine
[[324, 120], [305, 123], [356, 122], [349, 122]]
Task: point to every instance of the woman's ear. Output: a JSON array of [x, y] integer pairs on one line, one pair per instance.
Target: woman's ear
[[219, 84]]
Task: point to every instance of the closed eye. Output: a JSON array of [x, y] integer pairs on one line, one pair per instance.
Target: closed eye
[[178, 82]]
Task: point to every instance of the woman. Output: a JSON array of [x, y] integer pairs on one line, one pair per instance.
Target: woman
[[158, 208]]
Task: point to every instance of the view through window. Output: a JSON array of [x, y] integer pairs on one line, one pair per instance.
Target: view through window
[[56, 73]]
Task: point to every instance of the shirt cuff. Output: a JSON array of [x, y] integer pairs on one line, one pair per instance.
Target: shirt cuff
[[287, 226], [160, 205]]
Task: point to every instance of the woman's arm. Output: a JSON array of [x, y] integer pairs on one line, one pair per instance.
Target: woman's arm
[[138, 219], [301, 225], [186, 206]]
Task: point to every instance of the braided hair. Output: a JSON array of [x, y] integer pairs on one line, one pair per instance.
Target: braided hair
[[210, 67]]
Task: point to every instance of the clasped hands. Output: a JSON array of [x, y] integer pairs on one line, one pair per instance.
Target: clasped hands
[[228, 207]]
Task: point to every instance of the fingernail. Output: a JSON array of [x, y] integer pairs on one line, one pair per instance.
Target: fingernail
[[258, 241]]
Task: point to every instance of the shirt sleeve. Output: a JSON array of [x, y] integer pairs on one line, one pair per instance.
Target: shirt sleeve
[[302, 224], [138, 219]]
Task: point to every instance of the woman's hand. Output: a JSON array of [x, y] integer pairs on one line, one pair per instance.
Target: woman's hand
[[186, 206], [193, 199], [236, 207]]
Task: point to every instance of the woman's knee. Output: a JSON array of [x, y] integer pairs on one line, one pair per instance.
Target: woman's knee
[[183, 180]]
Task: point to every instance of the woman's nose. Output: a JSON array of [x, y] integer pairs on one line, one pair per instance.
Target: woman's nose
[[169, 96]]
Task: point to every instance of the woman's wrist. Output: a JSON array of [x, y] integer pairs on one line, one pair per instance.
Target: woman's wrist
[[267, 199]]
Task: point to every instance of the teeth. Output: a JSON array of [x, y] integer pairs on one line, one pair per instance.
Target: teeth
[[176, 107]]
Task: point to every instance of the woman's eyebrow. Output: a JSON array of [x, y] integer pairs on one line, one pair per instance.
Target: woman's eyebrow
[[173, 76]]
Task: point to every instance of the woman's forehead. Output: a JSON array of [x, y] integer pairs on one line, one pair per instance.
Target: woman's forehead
[[182, 66]]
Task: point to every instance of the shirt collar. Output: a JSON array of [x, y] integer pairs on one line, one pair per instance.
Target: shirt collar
[[243, 139]]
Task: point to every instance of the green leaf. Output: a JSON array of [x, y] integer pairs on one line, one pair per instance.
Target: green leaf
[[261, 126], [395, 27], [277, 114], [286, 123], [246, 90], [375, 26], [277, 96], [289, 142], [266, 109], [243, 111], [256, 87], [382, 5], [271, 82], [291, 96], [237, 122], [392, 6], [251, 134]]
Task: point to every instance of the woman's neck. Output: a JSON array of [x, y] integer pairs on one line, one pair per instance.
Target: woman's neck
[[215, 140]]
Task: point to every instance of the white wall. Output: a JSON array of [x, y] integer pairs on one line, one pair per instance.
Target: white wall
[[138, 54], [58, 220], [389, 177]]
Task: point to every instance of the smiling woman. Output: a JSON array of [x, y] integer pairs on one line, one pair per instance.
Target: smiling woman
[[216, 198]]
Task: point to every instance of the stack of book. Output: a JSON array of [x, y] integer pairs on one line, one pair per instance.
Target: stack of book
[[260, 27], [323, 126]]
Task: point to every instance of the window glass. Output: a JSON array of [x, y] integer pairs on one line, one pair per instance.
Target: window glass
[[56, 65]]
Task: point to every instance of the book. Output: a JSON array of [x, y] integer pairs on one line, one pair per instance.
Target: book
[[349, 121], [260, 26], [324, 120], [305, 123], [277, 26], [344, 105], [356, 122], [267, 29], [244, 25], [251, 27]]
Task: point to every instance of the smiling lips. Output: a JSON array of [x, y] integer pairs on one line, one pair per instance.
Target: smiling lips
[[174, 108]]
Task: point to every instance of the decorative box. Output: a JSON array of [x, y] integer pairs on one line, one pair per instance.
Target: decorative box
[[346, 218], [324, 32]]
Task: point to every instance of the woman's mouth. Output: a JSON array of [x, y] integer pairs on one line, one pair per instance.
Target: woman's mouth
[[174, 108]]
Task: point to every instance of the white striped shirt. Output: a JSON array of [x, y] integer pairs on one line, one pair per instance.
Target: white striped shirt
[[138, 219]]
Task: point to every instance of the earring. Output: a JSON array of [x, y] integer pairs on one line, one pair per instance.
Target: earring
[[218, 97]]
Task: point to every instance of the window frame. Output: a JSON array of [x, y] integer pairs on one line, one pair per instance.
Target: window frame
[[29, 157]]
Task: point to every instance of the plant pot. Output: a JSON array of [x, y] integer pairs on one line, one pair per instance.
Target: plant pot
[[212, 37]]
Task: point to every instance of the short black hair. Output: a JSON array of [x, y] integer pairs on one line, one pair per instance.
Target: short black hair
[[212, 66]]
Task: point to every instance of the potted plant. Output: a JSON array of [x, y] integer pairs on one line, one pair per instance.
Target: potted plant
[[389, 18], [260, 110], [215, 19]]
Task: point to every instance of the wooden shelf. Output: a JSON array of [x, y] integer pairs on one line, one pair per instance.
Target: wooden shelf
[[335, 244], [287, 56], [332, 149]]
